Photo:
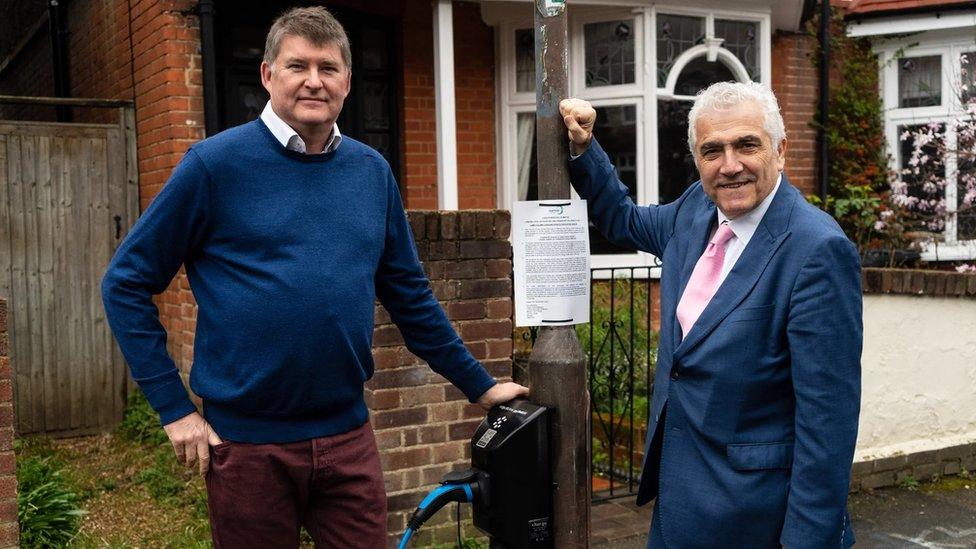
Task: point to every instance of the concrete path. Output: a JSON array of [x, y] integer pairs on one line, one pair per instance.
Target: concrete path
[[935, 516], [940, 515]]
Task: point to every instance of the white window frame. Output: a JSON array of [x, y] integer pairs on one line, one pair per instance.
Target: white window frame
[[949, 45], [644, 92]]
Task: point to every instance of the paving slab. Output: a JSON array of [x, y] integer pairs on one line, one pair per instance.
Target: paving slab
[[940, 515], [933, 515]]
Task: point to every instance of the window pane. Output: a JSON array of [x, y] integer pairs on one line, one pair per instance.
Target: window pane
[[920, 81], [919, 175], [374, 94], [528, 178], [740, 39], [617, 131], [373, 49], [699, 74], [966, 187], [675, 35], [609, 50], [525, 60], [967, 77], [676, 169]]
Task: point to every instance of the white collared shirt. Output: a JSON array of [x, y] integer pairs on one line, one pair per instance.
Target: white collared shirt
[[744, 227], [289, 138]]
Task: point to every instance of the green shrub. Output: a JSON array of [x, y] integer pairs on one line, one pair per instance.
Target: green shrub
[[47, 508], [140, 423]]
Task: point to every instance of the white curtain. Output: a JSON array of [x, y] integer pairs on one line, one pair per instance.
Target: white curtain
[[526, 140]]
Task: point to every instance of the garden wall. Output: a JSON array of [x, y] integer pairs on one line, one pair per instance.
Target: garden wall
[[918, 412], [423, 423], [8, 478]]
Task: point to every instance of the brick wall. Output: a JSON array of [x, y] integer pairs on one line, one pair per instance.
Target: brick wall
[[921, 466], [474, 100], [918, 282], [795, 82], [169, 117], [8, 477], [474, 65], [29, 73], [423, 424]]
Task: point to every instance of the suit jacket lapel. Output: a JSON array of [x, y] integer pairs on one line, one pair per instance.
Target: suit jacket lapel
[[772, 231], [698, 238]]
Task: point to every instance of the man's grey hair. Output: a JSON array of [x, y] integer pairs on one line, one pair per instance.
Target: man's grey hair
[[729, 95], [314, 24]]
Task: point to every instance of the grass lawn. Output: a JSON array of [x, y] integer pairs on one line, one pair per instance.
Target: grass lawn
[[133, 494]]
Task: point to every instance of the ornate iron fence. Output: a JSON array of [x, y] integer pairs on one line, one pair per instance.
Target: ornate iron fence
[[621, 346]]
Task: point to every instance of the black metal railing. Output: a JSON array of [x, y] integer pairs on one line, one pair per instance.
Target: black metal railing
[[621, 346], [620, 343]]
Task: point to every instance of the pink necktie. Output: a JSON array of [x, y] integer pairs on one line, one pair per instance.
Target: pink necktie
[[704, 279]]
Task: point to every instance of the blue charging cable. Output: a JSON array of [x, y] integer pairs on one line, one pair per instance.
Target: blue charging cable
[[439, 497]]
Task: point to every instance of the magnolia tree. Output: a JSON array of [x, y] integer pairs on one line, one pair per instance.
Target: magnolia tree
[[941, 157]]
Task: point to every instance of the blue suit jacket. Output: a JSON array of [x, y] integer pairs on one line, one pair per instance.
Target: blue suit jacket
[[754, 415]]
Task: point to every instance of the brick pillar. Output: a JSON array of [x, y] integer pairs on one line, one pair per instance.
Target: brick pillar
[[423, 424], [795, 82], [8, 477]]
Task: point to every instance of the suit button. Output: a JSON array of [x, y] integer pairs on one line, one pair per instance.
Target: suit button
[[675, 375]]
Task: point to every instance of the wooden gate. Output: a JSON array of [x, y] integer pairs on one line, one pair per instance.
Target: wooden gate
[[68, 193]]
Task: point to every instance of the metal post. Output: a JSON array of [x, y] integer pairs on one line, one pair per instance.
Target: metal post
[[208, 58], [59, 53], [557, 376]]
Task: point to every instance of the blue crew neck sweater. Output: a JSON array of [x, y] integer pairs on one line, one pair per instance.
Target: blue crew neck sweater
[[285, 254]]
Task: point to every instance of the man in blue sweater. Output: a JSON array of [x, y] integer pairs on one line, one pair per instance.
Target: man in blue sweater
[[289, 231]]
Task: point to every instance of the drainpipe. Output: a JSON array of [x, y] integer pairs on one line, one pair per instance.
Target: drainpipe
[[59, 54], [205, 10], [824, 99]]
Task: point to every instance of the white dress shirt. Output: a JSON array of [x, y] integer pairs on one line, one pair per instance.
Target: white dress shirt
[[289, 138], [744, 227]]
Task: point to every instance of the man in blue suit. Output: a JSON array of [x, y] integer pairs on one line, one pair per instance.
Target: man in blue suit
[[757, 391]]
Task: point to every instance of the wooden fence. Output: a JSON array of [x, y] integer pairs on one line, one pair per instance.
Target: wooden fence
[[68, 193]]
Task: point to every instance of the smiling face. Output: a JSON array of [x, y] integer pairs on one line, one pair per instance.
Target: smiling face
[[736, 159], [307, 84]]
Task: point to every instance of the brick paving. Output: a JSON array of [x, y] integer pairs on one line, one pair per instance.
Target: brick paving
[[619, 524]]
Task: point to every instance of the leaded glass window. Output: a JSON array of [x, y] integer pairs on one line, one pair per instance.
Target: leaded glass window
[[617, 128], [524, 60], [675, 35], [676, 169], [920, 81], [966, 186], [740, 38], [701, 73], [609, 53], [967, 77], [918, 177]]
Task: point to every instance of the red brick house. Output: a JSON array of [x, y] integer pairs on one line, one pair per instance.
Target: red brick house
[[637, 61], [445, 90]]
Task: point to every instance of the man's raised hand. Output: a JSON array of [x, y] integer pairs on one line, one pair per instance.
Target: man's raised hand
[[579, 117]]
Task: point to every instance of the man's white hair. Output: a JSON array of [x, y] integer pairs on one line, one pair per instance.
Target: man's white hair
[[729, 95]]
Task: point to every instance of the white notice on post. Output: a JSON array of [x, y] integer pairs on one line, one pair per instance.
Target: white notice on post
[[552, 262]]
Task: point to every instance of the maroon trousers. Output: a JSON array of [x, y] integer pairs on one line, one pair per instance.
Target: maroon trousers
[[261, 494]]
